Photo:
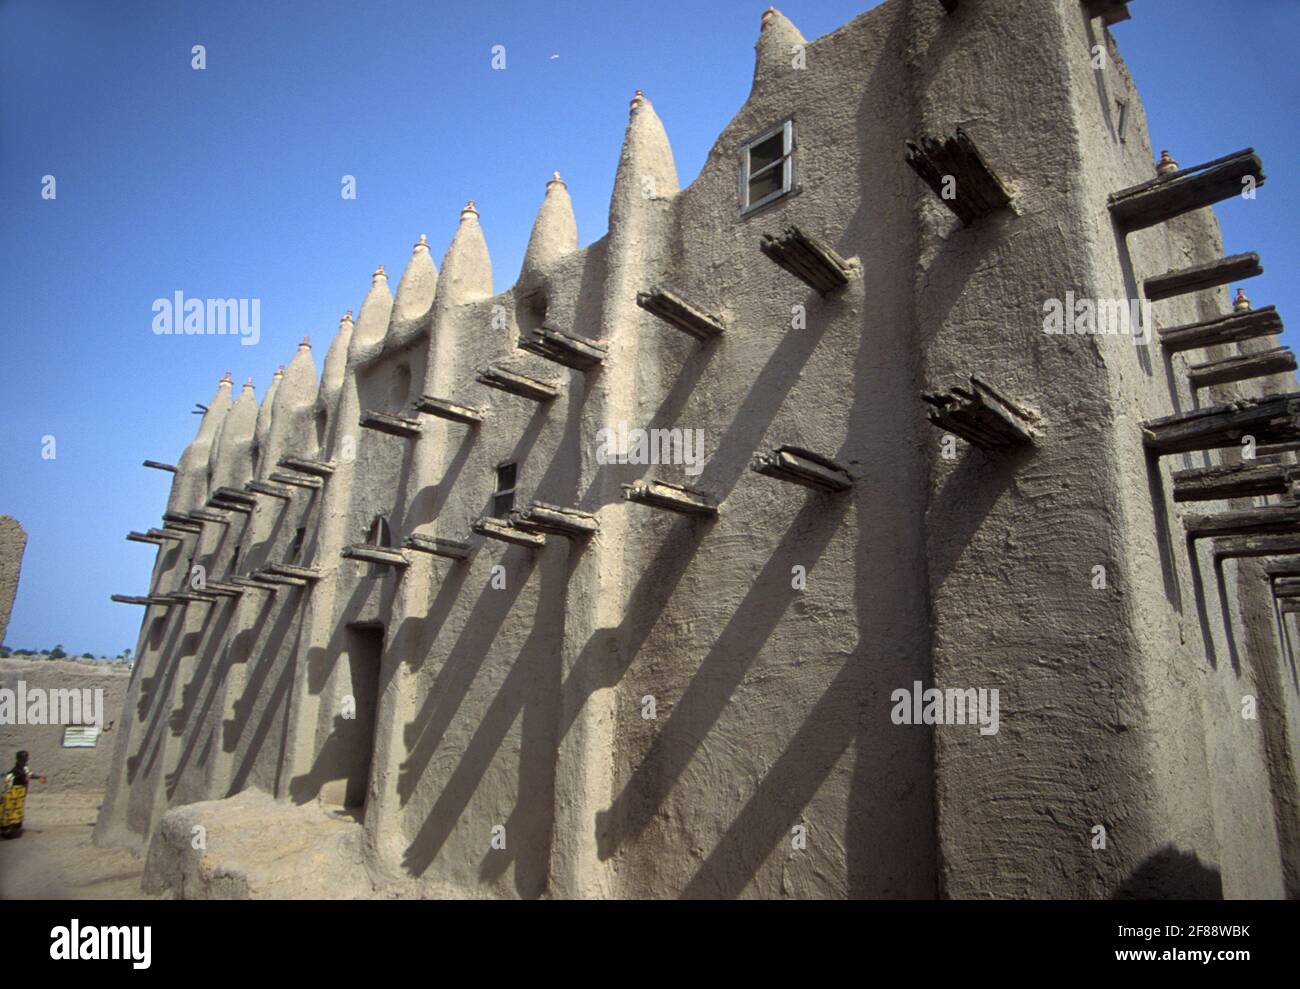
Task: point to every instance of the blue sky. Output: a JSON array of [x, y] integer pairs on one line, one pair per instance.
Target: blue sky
[[226, 182]]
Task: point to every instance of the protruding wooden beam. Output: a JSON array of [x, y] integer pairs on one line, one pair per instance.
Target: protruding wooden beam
[[449, 548], [1282, 570], [669, 497], [296, 480], [1231, 328], [448, 410], [178, 519], [1276, 449], [189, 528], [219, 503], [248, 583], [191, 597], [1274, 520], [977, 191], [800, 466], [204, 515], [1240, 547], [1289, 586], [235, 495], [144, 537], [1168, 196], [1242, 367], [156, 465], [810, 260], [518, 384], [384, 555], [542, 519], [1250, 479], [982, 416], [270, 575], [506, 533], [1202, 276], [1289, 606], [680, 314], [166, 535], [310, 574], [383, 422], [270, 490], [227, 587], [316, 468], [552, 343], [1110, 11], [1275, 419], [131, 599]]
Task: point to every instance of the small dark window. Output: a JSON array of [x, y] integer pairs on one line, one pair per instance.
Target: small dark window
[[504, 498], [234, 561], [298, 538], [767, 167], [379, 534]]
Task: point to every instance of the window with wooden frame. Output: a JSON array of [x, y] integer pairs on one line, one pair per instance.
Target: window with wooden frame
[[503, 500], [767, 167]]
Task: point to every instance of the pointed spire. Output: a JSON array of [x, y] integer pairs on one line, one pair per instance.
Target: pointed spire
[[419, 283], [555, 231], [646, 171], [336, 361], [372, 324], [231, 460], [293, 425], [1166, 165], [306, 343], [780, 48], [467, 267], [264, 413], [1241, 303], [190, 486]]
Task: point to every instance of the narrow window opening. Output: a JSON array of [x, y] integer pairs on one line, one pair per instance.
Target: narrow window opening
[[299, 537], [378, 535], [503, 501]]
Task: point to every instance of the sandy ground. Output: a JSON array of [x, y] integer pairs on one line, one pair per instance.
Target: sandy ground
[[55, 860]]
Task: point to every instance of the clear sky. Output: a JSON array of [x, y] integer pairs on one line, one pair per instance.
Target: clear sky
[[226, 183]]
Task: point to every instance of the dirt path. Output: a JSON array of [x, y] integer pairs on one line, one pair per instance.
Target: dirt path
[[55, 860]]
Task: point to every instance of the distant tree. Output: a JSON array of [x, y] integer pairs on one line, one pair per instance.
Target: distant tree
[[23, 652], [87, 655], [126, 653], [5, 653], [57, 652]]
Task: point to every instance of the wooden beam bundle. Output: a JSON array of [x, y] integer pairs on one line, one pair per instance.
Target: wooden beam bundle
[[669, 497], [270, 490], [1242, 367], [978, 191], [383, 555], [1275, 419], [191, 597], [316, 468], [1231, 328], [680, 314], [1273, 520], [552, 343], [448, 410], [507, 533], [1202, 276], [518, 384], [310, 574], [810, 260], [1251, 479], [1168, 196], [249, 583], [1282, 570], [144, 537], [170, 468], [981, 416], [1239, 547], [297, 480], [543, 519], [166, 534], [228, 587], [449, 548], [1286, 585], [1110, 11], [383, 422], [131, 599], [800, 466], [216, 518]]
